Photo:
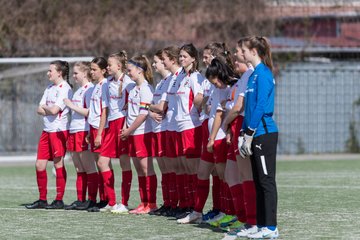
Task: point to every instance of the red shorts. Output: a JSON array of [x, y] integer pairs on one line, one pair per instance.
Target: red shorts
[[52, 145], [140, 145], [77, 142], [93, 133], [220, 151], [112, 145], [158, 144], [205, 155], [172, 144], [191, 142]]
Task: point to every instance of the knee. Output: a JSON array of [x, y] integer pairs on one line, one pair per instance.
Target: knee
[[40, 165]]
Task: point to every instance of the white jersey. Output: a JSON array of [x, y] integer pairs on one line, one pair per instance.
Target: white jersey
[[239, 89], [207, 88], [81, 99], [97, 103], [114, 101], [140, 98], [171, 99], [187, 115], [55, 95], [219, 95], [160, 95]]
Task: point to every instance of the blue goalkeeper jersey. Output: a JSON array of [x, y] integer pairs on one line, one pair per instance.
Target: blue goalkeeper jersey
[[259, 101]]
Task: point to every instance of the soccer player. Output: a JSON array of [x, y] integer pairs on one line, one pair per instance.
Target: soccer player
[[83, 159], [52, 143], [138, 130], [159, 130], [261, 134]]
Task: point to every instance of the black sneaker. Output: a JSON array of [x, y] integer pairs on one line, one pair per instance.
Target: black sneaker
[[183, 212], [159, 211], [171, 212], [102, 204], [73, 205], [85, 205], [56, 204], [37, 204], [93, 209]]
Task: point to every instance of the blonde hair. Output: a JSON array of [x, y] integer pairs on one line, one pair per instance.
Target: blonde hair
[[121, 57], [143, 62], [84, 67]]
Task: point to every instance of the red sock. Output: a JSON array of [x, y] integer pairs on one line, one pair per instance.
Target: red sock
[[92, 184], [216, 193], [108, 177], [173, 190], [102, 194], [250, 202], [224, 196], [151, 187], [60, 183], [142, 189], [202, 192], [238, 201], [181, 190], [81, 186], [165, 188], [230, 203], [194, 187], [41, 178], [126, 186]]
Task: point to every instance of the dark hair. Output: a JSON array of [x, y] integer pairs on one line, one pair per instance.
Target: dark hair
[[193, 52], [262, 46], [63, 67], [221, 51], [159, 53], [121, 57], [222, 71], [173, 53], [84, 67], [143, 62], [102, 63]]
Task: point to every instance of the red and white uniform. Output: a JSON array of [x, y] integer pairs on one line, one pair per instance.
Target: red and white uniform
[[171, 99], [160, 94], [207, 89], [97, 103], [81, 98], [114, 101], [53, 139], [113, 146], [55, 95], [187, 115], [140, 98], [220, 147]]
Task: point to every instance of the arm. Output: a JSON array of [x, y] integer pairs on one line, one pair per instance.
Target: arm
[[159, 108], [83, 111], [234, 112], [138, 121], [51, 110], [103, 117], [41, 111], [198, 101], [215, 128]]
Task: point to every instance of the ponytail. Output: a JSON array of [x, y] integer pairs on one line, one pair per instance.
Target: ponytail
[[143, 63], [262, 46], [219, 69], [63, 67]]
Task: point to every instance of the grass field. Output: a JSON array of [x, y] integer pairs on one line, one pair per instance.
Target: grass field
[[317, 200]]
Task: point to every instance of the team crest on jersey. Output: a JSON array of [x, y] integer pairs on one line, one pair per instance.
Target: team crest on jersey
[[187, 83]]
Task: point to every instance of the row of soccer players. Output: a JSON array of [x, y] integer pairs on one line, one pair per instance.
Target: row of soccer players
[[189, 123]]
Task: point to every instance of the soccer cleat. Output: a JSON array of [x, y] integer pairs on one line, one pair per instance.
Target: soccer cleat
[[159, 211], [73, 205], [171, 212], [148, 208], [227, 221], [233, 226], [183, 212], [193, 217], [108, 208], [86, 205], [121, 209], [216, 218], [264, 233], [246, 230], [138, 208], [37, 204], [102, 204], [210, 214], [93, 209], [56, 204]]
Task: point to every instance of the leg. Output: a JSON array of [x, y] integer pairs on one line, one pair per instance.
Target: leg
[[60, 177], [81, 179], [125, 165], [105, 167]]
